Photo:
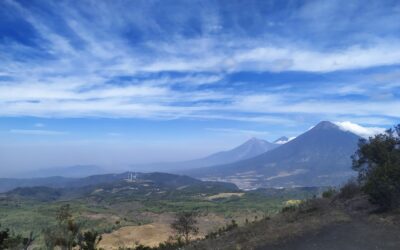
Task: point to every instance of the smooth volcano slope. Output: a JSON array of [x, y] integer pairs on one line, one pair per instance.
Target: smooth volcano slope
[[248, 149], [320, 156]]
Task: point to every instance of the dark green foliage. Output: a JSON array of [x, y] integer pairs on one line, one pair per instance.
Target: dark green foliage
[[168, 245], [288, 209], [88, 240], [349, 190], [222, 230], [9, 240], [178, 244], [378, 163], [185, 225], [44, 194], [231, 226], [65, 233], [329, 193]]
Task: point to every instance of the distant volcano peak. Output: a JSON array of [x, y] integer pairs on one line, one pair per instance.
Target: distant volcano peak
[[255, 140], [326, 125]]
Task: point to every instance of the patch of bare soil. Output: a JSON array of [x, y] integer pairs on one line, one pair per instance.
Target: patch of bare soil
[[149, 235], [158, 231]]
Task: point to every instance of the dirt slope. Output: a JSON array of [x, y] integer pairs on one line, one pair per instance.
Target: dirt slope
[[354, 235]]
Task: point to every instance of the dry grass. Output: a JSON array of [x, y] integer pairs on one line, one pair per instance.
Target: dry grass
[[159, 231], [223, 195], [309, 216], [149, 235], [100, 216], [293, 202]]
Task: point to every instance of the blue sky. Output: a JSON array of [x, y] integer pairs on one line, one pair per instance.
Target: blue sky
[[119, 82]]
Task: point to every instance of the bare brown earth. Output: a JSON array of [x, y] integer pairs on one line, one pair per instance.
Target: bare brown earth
[[157, 232], [149, 235]]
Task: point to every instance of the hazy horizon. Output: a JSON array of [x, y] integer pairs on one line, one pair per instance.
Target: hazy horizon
[[117, 156]]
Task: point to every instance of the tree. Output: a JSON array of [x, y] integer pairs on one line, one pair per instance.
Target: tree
[[377, 161], [64, 214], [65, 233], [9, 240], [4, 236], [185, 224], [89, 240]]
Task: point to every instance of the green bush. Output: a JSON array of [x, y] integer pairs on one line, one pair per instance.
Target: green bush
[[329, 193], [288, 209], [377, 161], [349, 190], [9, 240]]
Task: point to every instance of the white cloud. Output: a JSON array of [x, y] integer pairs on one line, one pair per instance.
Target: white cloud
[[285, 141], [75, 83], [281, 142], [290, 57], [359, 130], [258, 55]]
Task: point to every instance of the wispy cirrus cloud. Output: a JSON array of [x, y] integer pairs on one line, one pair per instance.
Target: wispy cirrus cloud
[[174, 67], [147, 64]]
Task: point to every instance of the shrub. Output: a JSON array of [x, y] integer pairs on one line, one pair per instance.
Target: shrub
[[231, 226], [377, 161], [10, 240], [288, 209], [329, 193], [89, 240], [185, 225], [67, 234], [349, 190]]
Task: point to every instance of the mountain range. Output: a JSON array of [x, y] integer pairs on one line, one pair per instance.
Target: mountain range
[[318, 157], [165, 180], [248, 149]]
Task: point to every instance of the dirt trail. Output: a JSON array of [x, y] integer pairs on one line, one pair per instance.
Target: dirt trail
[[354, 235]]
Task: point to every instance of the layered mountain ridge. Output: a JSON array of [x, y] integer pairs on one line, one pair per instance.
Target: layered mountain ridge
[[248, 149], [318, 157]]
